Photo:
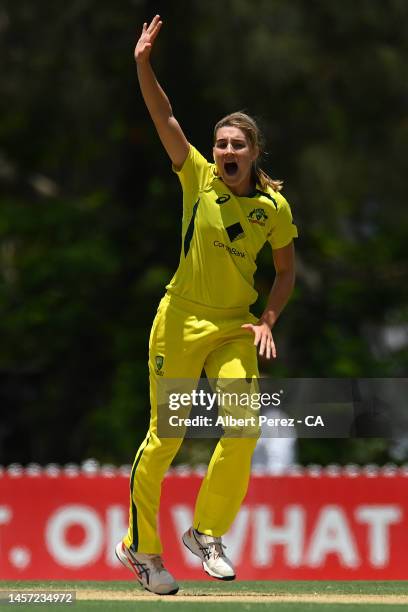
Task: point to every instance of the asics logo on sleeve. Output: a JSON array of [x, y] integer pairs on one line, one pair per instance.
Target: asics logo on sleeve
[[223, 198]]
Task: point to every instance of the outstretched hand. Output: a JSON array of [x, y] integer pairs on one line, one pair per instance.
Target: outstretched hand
[[263, 338], [145, 43]]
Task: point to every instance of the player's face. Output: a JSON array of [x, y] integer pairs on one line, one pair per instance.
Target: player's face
[[234, 157]]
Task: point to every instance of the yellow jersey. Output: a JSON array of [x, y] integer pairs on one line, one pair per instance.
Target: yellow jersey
[[222, 234]]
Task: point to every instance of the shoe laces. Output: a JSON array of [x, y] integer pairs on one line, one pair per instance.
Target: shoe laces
[[214, 547], [218, 548]]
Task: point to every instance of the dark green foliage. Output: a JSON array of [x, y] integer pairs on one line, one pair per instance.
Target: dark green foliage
[[90, 210]]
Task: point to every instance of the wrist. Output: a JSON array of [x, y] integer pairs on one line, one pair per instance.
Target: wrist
[[269, 318], [142, 61]]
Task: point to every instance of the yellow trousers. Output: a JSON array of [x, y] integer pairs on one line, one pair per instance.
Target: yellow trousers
[[185, 339]]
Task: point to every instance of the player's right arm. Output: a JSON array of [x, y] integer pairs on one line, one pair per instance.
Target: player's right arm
[[158, 105]]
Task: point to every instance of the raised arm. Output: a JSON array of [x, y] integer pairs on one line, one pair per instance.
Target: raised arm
[[158, 105]]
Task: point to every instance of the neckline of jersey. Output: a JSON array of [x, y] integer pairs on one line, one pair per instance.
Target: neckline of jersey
[[252, 194]]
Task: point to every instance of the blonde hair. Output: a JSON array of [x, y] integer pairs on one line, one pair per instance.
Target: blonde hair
[[254, 136]]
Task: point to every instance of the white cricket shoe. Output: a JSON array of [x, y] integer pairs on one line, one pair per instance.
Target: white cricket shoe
[[149, 570], [211, 552]]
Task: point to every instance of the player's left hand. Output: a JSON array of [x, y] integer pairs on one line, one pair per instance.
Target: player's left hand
[[263, 338]]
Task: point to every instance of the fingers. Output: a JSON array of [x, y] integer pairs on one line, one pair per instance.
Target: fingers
[[267, 346], [254, 329], [153, 24], [262, 345], [270, 349], [258, 336], [147, 38], [155, 32], [273, 349], [263, 337]]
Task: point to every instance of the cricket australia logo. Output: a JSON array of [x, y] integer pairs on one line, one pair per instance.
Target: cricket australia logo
[[159, 359], [258, 216]]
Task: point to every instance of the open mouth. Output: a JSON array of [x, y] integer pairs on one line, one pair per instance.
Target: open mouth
[[230, 168]]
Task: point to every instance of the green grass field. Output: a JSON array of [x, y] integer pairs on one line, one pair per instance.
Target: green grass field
[[293, 596]]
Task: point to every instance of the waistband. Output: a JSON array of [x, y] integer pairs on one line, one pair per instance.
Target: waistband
[[202, 310]]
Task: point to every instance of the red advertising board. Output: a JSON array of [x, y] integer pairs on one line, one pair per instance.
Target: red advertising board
[[289, 527]]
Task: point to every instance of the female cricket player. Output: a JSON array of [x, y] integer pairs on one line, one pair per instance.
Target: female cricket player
[[230, 209]]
